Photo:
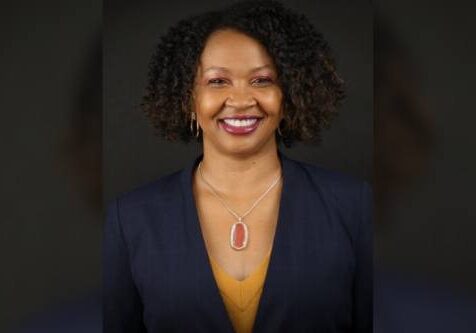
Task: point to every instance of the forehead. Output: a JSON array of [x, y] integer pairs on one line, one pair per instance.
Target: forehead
[[234, 50]]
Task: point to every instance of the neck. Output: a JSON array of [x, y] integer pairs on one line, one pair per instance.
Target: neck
[[240, 175]]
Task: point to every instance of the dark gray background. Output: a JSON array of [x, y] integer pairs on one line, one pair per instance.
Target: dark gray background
[[133, 155], [50, 235], [429, 228]]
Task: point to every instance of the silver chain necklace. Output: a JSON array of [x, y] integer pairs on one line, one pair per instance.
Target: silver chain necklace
[[239, 230]]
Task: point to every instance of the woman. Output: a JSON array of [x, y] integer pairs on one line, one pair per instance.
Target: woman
[[243, 239]]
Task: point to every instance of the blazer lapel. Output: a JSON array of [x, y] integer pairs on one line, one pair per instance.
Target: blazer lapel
[[211, 308], [273, 303]]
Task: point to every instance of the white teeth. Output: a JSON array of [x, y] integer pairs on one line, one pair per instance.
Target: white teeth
[[240, 122]]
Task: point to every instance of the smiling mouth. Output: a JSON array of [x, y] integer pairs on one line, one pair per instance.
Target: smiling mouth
[[240, 125]]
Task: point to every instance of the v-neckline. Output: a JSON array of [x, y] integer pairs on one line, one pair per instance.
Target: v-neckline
[[255, 271], [240, 293], [202, 263]]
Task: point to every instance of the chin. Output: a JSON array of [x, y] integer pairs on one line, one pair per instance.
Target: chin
[[244, 148]]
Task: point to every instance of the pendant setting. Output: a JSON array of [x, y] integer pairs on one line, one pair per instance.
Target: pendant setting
[[239, 235]]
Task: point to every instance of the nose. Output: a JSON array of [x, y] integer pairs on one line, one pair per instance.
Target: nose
[[240, 98]]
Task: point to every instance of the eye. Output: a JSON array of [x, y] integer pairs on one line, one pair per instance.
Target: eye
[[262, 81], [216, 82]]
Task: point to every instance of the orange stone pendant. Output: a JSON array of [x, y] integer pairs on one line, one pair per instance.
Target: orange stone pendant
[[239, 236]]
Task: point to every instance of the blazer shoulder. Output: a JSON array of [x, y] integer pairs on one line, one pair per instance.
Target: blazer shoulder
[[330, 180], [158, 190], [341, 192], [346, 197], [349, 197]]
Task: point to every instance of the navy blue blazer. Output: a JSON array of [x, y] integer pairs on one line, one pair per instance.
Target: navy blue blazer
[[157, 277]]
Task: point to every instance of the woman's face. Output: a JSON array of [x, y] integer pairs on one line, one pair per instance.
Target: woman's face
[[236, 95]]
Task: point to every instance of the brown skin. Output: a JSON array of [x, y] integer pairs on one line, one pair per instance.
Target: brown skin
[[237, 76]]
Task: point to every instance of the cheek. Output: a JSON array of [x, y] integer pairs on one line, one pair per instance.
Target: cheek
[[208, 103], [271, 101]]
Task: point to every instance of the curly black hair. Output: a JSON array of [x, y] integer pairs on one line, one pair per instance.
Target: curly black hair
[[311, 88]]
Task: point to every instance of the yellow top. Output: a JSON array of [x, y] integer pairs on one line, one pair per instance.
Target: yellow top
[[241, 298]]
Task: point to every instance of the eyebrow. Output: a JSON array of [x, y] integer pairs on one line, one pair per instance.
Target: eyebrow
[[224, 69]]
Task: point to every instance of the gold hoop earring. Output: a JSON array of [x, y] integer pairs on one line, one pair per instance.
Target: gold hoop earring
[[279, 129], [194, 119]]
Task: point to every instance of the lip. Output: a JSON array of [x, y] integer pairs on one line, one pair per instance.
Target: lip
[[242, 116], [240, 130]]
